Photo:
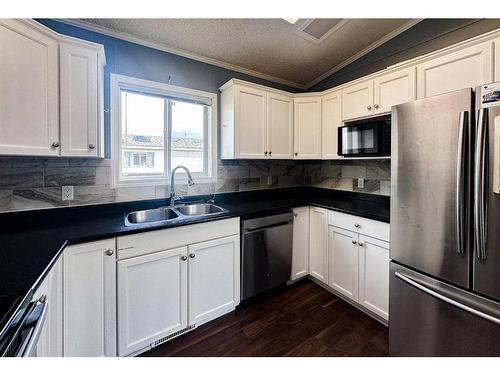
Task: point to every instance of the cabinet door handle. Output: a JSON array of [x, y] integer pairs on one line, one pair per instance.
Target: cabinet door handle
[[369, 107], [109, 252], [192, 255], [361, 244], [91, 146], [55, 144], [357, 225], [376, 106], [265, 153], [354, 242], [184, 258], [296, 153], [270, 152]]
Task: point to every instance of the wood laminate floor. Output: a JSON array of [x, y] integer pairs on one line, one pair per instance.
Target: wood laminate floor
[[300, 320]]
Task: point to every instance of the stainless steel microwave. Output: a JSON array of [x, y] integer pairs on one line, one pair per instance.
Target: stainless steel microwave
[[370, 137]]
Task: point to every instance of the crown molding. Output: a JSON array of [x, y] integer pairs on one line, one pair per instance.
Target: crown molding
[[179, 52], [364, 51], [193, 56]]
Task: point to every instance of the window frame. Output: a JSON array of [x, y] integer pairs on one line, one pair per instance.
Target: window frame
[[120, 82]]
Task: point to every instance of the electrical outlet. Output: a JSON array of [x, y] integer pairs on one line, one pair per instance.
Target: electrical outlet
[[361, 183], [269, 180], [67, 193]]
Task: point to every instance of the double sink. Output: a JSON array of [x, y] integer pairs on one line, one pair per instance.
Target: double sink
[[173, 213]]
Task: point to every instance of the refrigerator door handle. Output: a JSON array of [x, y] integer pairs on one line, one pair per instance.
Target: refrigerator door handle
[[461, 191], [480, 184], [430, 290]]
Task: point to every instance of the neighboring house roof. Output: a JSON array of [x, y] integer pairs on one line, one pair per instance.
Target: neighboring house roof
[[151, 141]]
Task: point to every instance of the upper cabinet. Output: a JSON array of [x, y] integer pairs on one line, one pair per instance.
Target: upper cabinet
[[307, 127], [378, 95], [497, 60], [29, 94], [467, 67], [393, 88], [357, 100], [331, 107], [50, 92], [256, 124]]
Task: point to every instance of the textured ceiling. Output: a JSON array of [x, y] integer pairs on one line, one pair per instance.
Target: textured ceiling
[[268, 46]]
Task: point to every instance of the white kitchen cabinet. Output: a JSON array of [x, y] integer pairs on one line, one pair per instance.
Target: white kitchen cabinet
[[467, 67], [29, 90], [374, 275], [394, 88], [80, 102], [89, 300], [307, 127], [357, 100], [279, 126], [50, 342], [343, 261], [51, 92], [497, 60], [214, 274], [300, 252], [152, 298], [318, 244], [331, 108]]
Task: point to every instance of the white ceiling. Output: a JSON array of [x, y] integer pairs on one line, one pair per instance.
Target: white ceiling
[[269, 48]]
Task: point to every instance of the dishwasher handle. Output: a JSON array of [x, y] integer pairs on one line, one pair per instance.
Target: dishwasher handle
[[255, 229]]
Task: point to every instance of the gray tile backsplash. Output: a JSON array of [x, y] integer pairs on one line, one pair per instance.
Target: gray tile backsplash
[[31, 183]]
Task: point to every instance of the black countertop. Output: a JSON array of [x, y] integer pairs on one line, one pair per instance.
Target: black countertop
[[31, 241]]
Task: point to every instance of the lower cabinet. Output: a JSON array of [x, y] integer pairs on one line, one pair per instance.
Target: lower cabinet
[[89, 300], [152, 298], [164, 292], [374, 275], [343, 261], [318, 244], [300, 257]]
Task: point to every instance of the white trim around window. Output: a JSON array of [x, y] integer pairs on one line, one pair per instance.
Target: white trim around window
[[120, 82]]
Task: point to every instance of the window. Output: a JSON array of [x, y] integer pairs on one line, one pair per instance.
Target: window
[[159, 127]]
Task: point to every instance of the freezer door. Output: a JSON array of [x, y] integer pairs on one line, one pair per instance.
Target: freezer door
[[486, 263], [430, 185], [431, 318]]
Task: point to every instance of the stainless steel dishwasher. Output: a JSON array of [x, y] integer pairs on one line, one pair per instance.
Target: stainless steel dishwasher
[[266, 253]]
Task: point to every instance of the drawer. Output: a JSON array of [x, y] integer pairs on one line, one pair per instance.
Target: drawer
[[150, 242], [372, 228]]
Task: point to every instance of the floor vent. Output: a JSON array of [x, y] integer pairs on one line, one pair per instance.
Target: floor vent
[[172, 335]]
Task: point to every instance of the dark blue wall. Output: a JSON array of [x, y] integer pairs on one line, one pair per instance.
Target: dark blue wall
[[135, 60]]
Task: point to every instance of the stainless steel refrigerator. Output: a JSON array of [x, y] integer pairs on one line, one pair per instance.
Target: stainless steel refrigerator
[[445, 226]]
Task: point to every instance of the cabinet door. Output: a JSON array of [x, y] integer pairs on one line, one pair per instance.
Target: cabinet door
[[279, 126], [51, 338], [332, 119], [152, 298], [251, 119], [89, 273], [79, 101], [307, 128], [374, 275], [357, 100], [214, 278], [497, 60], [29, 109], [300, 255], [394, 88], [468, 67], [318, 244], [343, 261]]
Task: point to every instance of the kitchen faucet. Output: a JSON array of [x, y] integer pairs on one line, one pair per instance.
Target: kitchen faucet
[[172, 183]]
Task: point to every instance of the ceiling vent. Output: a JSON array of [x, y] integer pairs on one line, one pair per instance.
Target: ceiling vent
[[317, 30]]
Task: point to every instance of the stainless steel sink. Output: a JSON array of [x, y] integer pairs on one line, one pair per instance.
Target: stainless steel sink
[[199, 209], [173, 213], [153, 215]]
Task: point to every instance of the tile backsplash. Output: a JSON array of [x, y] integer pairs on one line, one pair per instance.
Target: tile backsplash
[[34, 182]]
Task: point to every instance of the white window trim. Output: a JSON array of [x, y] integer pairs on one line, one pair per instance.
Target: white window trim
[[117, 82]]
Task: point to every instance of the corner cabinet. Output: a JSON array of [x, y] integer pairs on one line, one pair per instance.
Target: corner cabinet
[[256, 123], [307, 127], [89, 300], [331, 107], [51, 89]]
